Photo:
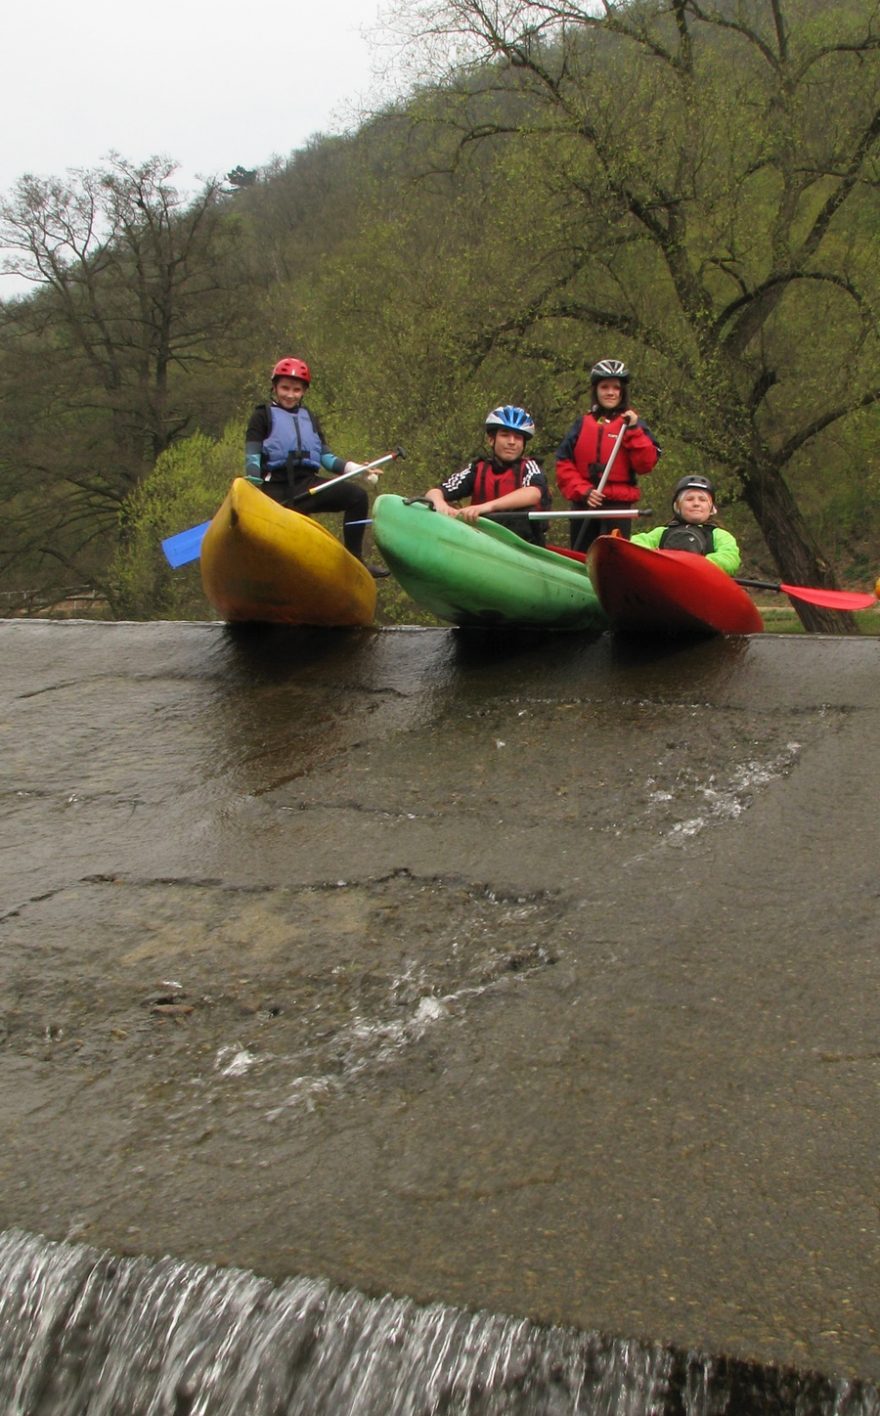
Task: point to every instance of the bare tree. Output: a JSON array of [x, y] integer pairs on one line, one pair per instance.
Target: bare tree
[[134, 297]]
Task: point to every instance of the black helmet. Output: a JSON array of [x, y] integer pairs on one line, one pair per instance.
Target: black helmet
[[692, 484], [609, 369]]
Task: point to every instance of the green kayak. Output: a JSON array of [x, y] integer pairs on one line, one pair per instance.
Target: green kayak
[[482, 574]]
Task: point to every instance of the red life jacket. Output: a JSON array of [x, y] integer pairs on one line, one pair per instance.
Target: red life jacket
[[594, 446], [489, 482]]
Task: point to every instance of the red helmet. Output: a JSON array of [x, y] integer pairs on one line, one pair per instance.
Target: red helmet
[[292, 369]]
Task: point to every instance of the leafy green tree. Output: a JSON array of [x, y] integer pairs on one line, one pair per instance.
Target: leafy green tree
[[242, 176], [711, 170], [184, 489]]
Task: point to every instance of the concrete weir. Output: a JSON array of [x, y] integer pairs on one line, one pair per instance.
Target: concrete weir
[[535, 976]]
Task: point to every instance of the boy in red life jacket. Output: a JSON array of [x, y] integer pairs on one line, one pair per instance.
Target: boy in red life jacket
[[507, 481], [587, 446]]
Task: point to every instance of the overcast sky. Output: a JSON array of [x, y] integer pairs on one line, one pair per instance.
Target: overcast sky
[[212, 83]]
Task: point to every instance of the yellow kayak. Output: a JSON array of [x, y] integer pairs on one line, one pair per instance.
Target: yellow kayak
[[263, 562]]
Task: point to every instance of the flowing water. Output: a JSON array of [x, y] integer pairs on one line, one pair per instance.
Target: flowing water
[[81, 1331], [483, 1025]]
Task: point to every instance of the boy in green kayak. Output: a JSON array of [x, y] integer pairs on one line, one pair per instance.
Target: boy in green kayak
[[692, 529], [508, 481]]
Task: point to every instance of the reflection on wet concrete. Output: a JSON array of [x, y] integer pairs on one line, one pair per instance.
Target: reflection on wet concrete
[[539, 977]]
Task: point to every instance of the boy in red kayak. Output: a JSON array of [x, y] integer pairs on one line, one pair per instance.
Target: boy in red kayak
[[507, 481], [587, 447], [693, 506]]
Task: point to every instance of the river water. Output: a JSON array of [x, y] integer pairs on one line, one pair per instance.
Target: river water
[[528, 979]]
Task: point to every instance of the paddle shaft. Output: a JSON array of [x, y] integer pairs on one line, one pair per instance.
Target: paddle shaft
[[606, 513], [546, 516], [356, 472], [606, 471]]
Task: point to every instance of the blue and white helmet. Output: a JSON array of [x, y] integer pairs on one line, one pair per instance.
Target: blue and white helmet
[[515, 420]]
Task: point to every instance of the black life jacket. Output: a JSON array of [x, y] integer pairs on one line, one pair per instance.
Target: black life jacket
[[683, 536]]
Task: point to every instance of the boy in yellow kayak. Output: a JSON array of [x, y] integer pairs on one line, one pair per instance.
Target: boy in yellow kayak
[[285, 451], [692, 529]]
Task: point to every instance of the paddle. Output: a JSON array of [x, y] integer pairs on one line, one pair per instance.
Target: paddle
[[828, 599], [610, 514], [355, 472], [606, 471], [186, 546], [530, 515]]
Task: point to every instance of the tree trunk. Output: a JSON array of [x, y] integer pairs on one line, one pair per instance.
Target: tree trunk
[[791, 544]]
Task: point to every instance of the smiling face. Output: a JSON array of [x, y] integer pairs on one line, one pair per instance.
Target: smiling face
[[609, 394], [694, 506], [507, 445], [289, 393]]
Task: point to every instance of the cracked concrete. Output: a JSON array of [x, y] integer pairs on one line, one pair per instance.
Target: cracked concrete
[[537, 976]]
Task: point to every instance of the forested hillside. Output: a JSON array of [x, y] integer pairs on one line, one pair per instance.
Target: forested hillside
[[690, 187]]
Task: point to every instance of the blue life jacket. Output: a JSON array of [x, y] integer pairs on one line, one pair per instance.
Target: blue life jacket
[[292, 431]]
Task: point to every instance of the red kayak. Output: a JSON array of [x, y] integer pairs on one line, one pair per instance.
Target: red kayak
[[667, 592]]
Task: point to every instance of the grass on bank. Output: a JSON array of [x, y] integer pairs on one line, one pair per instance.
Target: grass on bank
[[782, 619]]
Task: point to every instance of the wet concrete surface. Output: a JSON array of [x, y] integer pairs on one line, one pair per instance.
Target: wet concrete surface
[[540, 977]]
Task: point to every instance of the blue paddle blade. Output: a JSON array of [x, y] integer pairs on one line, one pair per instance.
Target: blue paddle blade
[[186, 546]]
